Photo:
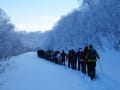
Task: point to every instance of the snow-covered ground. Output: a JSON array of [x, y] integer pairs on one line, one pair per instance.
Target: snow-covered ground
[[28, 72]]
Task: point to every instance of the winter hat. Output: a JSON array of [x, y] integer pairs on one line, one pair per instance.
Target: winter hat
[[90, 46]]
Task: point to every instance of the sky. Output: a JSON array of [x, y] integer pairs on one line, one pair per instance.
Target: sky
[[34, 15]]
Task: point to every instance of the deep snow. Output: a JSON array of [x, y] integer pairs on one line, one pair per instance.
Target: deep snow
[[28, 72]]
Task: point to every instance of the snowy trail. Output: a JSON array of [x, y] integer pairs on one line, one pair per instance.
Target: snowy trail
[[32, 73]]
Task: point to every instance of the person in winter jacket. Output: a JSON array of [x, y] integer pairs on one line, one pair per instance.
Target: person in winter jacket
[[85, 51], [74, 60], [70, 58], [63, 55], [91, 58], [81, 62]]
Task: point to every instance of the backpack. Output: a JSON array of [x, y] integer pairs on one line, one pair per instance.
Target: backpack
[[92, 54], [80, 55]]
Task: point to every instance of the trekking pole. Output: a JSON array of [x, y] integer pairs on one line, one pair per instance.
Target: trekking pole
[[100, 66]]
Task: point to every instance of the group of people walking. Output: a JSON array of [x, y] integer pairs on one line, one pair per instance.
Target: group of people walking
[[83, 60]]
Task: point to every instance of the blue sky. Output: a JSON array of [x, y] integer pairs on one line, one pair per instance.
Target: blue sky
[[35, 15]]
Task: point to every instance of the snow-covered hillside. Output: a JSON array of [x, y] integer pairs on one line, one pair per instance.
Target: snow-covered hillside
[[28, 72]]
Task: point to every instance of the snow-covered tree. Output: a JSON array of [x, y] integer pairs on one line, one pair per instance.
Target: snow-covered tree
[[94, 22], [9, 41]]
